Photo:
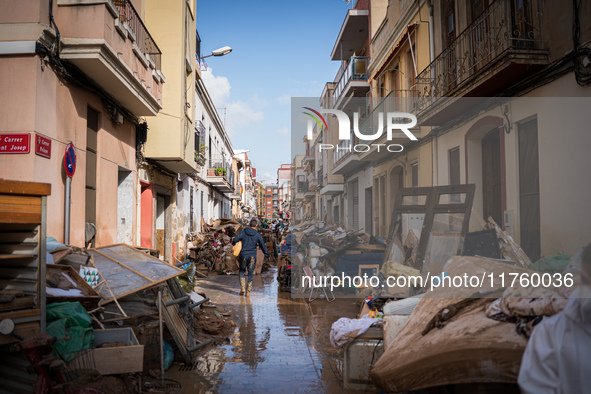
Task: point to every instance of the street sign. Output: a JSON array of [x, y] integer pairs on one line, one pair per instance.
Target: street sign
[[42, 146], [70, 160], [15, 143]]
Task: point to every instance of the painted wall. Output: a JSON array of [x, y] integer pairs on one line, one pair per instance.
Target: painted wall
[[35, 101]]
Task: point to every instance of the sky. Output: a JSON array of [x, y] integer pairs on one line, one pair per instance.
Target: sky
[[280, 50]]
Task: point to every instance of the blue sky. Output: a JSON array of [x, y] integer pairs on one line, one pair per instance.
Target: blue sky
[[281, 49]]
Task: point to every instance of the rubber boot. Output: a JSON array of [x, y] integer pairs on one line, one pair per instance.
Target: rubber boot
[[248, 288], [242, 285]]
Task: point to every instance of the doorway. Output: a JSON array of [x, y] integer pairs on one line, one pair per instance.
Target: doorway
[[125, 202], [529, 189], [147, 215]]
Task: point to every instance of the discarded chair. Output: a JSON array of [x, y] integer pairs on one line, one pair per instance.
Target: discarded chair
[[308, 273]]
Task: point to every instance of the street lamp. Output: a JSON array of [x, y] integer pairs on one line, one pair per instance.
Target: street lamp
[[218, 52]]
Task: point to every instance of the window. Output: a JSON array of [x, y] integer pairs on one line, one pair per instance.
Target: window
[[449, 25], [414, 174], [454, 166]]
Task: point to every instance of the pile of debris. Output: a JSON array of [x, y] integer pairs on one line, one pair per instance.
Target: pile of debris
[[474, 325], [211, 250], [329, 250], [120, 303]]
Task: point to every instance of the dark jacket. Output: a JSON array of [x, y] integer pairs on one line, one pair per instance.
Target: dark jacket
[[250, 238]]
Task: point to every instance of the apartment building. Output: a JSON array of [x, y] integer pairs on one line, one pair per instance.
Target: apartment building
[[490, 83], [85, 73]]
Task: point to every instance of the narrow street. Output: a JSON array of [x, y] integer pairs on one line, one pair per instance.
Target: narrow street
[[279, 344]]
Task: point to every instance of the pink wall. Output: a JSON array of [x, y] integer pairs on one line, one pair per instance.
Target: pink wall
[[40, 103]]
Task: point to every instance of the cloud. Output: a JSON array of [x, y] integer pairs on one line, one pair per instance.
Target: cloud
[[237, 113], [240, 114], [267, 177], [284, 99], [218, 87], [283, 131]]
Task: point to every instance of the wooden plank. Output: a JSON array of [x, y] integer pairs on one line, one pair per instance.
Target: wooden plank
[[509, 247], [9, 199], [19, 273], [17, 256], [24, 188], [17, 304], [20, 208], [19, 217], [20, 314], [25, 330]]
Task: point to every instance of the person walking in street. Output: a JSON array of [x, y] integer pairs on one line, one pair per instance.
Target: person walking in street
[[248, 254]]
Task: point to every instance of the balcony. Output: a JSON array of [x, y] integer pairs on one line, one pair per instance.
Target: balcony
[[353, 78], [345, 158], [108, 41], [219, 174], [494, 52], [353, 34]]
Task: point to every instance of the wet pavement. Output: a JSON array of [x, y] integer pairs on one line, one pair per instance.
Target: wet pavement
[[279, 344]]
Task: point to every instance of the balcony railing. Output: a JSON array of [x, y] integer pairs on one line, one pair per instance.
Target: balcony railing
[[220, 166], [144, 40], [500, 28], [356, 70]]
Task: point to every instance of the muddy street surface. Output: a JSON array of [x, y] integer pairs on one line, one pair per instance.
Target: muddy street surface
[[279, 344]]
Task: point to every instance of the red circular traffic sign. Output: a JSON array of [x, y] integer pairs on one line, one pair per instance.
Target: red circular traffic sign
[[70, 160]]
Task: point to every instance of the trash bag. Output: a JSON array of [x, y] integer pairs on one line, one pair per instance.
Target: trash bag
[[187, 280], [69, 320]]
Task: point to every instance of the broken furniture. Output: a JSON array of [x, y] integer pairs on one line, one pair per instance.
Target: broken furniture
[[127, 270], [440, 215], [63, 284], [313, 288], [23, 210], [360, 355], [117, 350], [177, 310]]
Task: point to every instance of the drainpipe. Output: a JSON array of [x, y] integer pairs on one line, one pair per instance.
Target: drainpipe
[[434, 146]]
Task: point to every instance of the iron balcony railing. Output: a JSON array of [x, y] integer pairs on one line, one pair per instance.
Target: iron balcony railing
[[220, 166], [504, 26], [356, 70], [144, 40]]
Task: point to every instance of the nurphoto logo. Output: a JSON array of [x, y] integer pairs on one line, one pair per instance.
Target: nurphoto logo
[[402, 121]]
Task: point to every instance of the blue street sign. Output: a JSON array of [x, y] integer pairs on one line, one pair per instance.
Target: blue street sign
[[70, 160]]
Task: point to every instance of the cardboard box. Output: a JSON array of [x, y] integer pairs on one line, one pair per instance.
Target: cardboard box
[[119, 359]]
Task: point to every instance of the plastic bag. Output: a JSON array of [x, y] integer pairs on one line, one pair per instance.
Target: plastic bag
[[187, 280], [69, 319]]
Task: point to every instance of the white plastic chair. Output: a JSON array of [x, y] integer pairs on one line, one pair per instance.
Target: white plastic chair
[[310, 275]]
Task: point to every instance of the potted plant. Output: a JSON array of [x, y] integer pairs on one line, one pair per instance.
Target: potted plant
[[220, 171], [200, 155]]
